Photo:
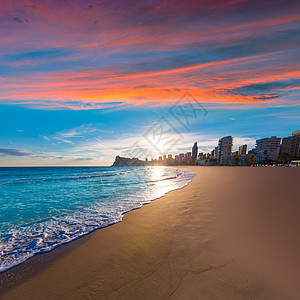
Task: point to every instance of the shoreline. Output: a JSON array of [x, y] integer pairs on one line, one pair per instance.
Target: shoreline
[[177, 246], [40, 261]]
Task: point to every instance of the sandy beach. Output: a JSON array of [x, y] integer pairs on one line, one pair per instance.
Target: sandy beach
[[232, 233]]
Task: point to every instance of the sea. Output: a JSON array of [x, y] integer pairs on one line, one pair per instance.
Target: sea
[[44, 207]]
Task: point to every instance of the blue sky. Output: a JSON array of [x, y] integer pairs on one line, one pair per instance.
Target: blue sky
[[95, 137]]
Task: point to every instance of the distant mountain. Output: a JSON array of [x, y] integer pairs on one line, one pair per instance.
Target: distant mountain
[[124, 161]]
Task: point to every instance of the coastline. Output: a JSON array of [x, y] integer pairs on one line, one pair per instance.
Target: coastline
[[96, 216], [180, 245], [41, 260]]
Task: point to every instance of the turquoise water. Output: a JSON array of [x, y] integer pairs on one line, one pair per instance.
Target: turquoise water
[[43, 207]]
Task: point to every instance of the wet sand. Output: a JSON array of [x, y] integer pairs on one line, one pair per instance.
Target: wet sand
[[232, 233]]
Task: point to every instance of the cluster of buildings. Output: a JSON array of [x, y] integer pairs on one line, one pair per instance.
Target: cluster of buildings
[[271, 150]]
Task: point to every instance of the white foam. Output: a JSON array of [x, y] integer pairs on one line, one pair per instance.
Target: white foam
[[17, 244]]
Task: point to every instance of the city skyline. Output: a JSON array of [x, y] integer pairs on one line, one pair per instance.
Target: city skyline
[[268, 150]]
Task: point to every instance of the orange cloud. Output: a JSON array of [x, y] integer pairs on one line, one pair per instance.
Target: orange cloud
[[146, 52]]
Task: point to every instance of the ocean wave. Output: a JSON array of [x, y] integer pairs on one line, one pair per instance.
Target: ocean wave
[[20, 242], [66, 178]]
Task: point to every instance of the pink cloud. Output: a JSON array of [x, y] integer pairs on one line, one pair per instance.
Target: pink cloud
[[143, 52]]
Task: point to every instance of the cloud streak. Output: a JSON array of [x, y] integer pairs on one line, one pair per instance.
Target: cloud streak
[[85, 55], [13, 152]]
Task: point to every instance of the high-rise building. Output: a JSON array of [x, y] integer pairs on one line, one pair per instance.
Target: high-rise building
[[286, 145], [224, 150], [235, 153], [267, 150], [165, 157], [214, 153], [234, 159], [242, 150], [294, 152], [285, 149], [181, 156], [251, 154], [170, 156], [200, 155], [194, 151], [187, 156]]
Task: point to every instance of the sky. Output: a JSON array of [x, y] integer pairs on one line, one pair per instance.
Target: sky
[[83, 81]]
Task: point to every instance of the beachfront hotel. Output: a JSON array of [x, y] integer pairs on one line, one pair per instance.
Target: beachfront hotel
[[224, 150], [267, 149], [242, 150], [290, 147], [294, 152]]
